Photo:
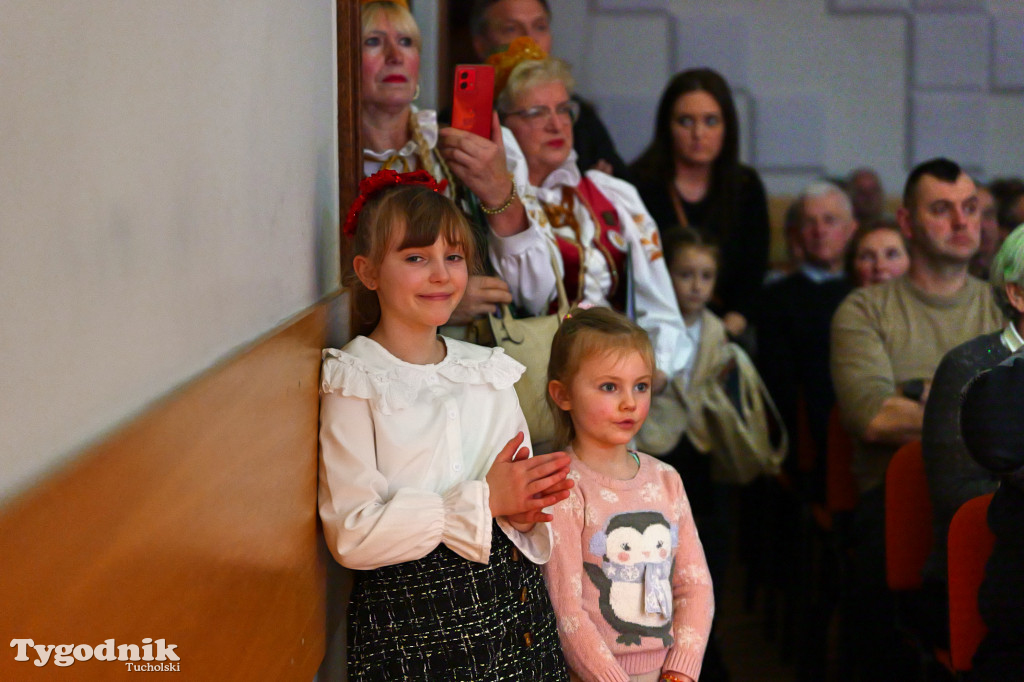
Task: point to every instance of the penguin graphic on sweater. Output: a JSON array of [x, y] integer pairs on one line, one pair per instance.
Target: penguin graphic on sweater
[[634, 580]]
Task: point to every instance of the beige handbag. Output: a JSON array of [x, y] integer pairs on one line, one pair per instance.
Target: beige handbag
[[528, 341], [746, 434]]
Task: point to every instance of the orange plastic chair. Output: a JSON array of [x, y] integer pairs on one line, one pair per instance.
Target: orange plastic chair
[[908, 518], [970, 544], [840, 486], [909, 534]]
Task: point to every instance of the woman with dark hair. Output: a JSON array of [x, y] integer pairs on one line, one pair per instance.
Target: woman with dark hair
[[691, 174]]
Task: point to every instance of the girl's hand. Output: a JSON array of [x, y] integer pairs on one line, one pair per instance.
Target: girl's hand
[[478, 162], [734, 323], [524, 522], [520, 484]]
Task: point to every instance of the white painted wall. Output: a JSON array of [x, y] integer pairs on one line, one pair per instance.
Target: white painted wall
[[855, 70], [427, 15], [168, 192]]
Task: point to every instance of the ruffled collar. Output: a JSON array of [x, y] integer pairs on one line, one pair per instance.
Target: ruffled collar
[[365, 369], [550, 189], [427, 120]]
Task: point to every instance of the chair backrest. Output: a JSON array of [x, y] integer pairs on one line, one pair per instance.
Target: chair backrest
[[970, 544], [806, 453], [908, 518], [840, 486]]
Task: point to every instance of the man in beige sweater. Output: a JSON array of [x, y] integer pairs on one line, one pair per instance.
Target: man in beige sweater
[[887, 341]]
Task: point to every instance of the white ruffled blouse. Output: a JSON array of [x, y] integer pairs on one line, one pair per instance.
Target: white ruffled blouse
[[404, 450], [427, 120], [524, 259]]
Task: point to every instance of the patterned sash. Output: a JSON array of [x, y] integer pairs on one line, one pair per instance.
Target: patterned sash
[[608, 239]]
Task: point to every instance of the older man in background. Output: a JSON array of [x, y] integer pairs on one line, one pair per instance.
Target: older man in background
[[796, 314], [793, 351]]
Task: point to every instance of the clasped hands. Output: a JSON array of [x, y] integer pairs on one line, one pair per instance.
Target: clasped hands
[[521, 486]]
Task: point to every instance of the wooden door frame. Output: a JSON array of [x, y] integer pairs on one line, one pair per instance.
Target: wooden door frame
[[350, 166]]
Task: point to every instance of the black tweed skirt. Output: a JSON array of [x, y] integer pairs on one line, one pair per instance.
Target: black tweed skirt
[[443, 617]]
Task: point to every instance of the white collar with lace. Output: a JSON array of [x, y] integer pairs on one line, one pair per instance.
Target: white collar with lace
[[550, 190], [427, 120], [365, 369]]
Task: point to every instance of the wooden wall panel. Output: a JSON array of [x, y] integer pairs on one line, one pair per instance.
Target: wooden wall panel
[[195, 523]]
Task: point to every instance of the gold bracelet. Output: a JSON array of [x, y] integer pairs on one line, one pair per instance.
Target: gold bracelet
[[669, 677], [508, 202]]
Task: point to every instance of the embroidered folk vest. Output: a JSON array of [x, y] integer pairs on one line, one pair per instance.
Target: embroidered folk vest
[[608, 239]]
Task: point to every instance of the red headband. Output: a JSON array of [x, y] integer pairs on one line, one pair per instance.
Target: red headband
[[382, 180]]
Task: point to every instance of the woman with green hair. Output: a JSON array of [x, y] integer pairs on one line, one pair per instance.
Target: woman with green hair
[[953, 475]]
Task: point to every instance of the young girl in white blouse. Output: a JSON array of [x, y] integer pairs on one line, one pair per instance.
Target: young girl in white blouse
[[424, 488], [627, 576]]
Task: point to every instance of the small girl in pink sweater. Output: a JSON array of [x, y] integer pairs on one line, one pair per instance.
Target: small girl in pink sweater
[[627, 576]]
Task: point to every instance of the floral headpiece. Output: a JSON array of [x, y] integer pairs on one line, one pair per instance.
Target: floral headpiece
[[519, 50], [382, 180]]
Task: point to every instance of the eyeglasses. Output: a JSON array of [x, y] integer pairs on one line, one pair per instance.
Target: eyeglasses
[[538, 115]]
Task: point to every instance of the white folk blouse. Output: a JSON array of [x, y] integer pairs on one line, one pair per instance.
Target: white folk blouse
[[406, 158], [524, 260], [404, 450]]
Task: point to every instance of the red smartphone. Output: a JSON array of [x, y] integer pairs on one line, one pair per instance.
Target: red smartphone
[[473, 99]]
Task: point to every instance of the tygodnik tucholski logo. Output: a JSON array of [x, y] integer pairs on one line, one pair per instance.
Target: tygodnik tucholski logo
[[64, 655]]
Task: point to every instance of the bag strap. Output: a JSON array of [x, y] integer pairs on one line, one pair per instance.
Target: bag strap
[[563, 299], [677, 205], [606, 220], [752, 387], [513, 331]]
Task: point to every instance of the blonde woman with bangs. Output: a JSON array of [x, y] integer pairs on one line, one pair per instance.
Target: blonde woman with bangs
[[397, 135], [400, 137]]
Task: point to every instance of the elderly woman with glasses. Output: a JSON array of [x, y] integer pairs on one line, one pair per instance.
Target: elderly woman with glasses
[[541, 208]]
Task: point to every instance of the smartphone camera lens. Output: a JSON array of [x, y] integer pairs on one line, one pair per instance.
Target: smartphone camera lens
[[463, 86]]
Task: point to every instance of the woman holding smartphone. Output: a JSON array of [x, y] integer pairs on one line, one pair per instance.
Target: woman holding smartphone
[[605, 246], [399, 136]]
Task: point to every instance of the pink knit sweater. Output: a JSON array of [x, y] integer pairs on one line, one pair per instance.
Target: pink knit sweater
[[627, 576]]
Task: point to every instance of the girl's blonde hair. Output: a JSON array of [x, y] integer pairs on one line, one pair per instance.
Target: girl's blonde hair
[[400, 18], [425, 215], [583, 333]]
